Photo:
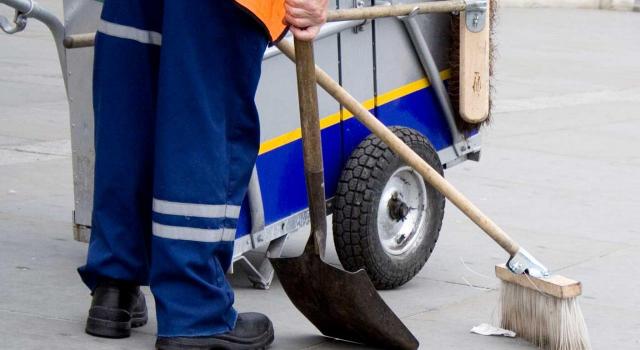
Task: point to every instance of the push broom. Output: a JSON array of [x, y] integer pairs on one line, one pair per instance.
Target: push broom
[[539, 307]]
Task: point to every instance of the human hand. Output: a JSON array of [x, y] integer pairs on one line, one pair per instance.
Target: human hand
[[305, 17]]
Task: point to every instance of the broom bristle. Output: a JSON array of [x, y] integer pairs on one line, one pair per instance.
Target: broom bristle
[[546, 321], [454, 64]]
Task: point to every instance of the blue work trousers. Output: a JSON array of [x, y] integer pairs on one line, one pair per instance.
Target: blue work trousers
[[176, 139]]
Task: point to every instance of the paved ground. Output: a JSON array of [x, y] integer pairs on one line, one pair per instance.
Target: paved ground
[[560, 170]]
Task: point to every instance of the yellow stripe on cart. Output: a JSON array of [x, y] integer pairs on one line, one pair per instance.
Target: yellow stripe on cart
[[335, 118]]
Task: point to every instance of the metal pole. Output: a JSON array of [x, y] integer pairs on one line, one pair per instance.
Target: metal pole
[[430, 68], [396, 10]]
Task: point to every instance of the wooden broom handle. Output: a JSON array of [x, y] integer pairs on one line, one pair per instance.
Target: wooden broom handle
[[409, 156]]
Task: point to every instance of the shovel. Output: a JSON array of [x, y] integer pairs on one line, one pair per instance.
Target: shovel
[[340, 304]]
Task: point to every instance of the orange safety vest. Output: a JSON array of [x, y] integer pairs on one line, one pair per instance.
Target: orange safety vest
[[270, 13]]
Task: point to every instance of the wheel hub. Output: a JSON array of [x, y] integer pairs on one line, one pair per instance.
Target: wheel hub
[[401, 212], [398, 209]]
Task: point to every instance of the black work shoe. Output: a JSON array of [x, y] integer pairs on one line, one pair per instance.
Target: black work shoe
[[253, 331], [115, 309]]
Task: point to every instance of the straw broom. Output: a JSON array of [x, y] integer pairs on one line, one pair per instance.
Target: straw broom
[[541, 308], [544, 311]]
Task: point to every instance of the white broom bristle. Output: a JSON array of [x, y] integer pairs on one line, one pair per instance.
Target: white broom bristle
[[546, 321]]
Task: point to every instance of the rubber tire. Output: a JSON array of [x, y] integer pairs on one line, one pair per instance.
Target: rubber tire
[[355, 209]]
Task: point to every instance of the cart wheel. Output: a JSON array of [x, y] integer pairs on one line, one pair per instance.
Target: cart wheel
[[386, 219]]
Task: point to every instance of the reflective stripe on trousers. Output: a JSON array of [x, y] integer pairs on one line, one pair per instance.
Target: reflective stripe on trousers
[[176, 136]]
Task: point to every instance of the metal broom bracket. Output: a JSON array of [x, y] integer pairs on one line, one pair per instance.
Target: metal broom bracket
[[524, 262], [476, 12]]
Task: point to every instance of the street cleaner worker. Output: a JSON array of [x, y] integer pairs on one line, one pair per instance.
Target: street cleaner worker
[[176, 137]]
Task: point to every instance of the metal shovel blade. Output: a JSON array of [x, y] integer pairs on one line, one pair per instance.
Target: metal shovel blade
[[341, 304]]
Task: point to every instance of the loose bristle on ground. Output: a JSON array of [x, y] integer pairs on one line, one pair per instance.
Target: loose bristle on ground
[[546, 321]]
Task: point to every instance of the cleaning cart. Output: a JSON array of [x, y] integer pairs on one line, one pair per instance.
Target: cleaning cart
[[394, 66]]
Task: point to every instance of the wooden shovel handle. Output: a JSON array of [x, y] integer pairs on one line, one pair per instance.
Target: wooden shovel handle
[[409, 156], [311, 142]]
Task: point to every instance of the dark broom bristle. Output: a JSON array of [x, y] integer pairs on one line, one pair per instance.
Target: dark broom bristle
[[454, 61]]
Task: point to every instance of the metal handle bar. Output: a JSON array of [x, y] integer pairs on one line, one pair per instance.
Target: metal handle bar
[[23, 6], [31, 9], [350, 17], [399, 10], [17, 25], [77, 41]]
